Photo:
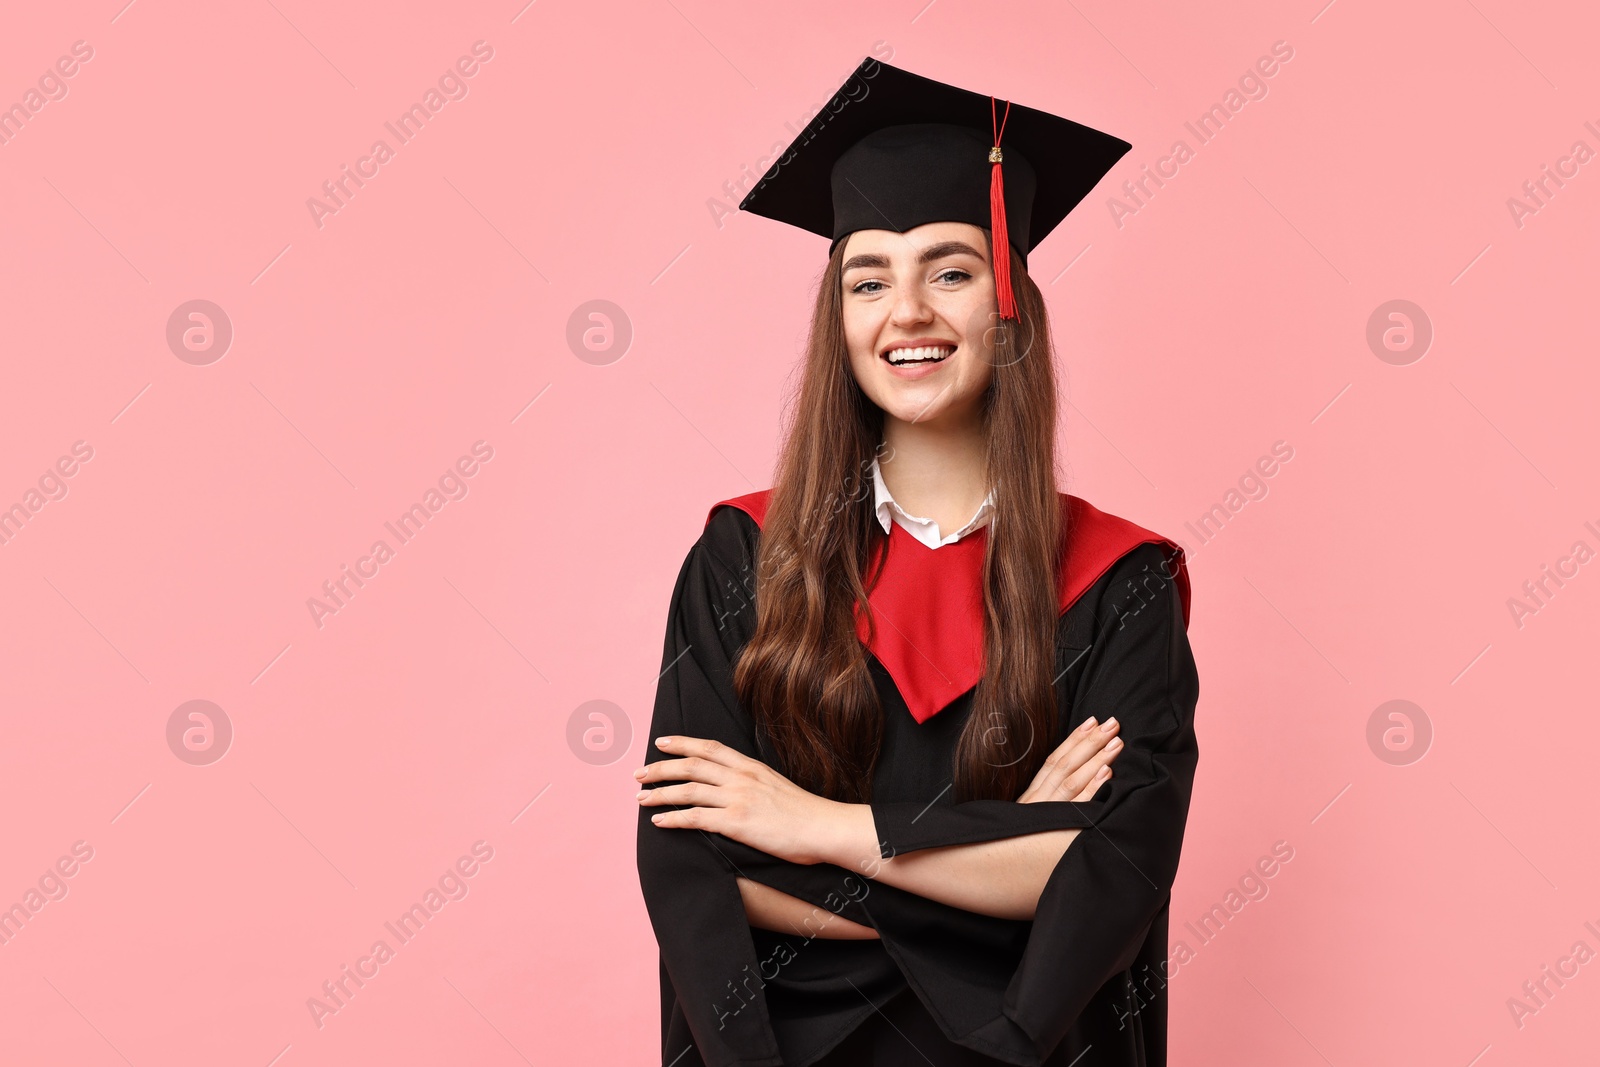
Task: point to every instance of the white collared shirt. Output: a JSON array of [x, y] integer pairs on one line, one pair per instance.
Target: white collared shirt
[[924, 530]]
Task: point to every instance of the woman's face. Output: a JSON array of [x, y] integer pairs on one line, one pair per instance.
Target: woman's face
[[930, 288]]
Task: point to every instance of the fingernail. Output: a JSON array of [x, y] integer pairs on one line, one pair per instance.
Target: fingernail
[[642, 794], [639, 773], [1088, 724], [1109, 725], [657, 816], [1113, 744], [663, 741], [1104, 772]]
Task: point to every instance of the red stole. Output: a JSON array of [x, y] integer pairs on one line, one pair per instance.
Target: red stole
[[928, 604]]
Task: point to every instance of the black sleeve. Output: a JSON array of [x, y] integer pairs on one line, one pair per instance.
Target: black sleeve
[[688, 884], [1112, 882]]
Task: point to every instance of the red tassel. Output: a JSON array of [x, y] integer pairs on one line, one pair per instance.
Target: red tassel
[[997, 221]]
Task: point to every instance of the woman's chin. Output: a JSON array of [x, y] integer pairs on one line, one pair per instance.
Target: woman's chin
[[926, 407]]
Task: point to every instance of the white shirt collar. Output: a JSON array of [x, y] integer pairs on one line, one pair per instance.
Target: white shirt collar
[[924, 530]]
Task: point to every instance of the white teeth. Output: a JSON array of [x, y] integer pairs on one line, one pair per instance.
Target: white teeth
[[919, 355]]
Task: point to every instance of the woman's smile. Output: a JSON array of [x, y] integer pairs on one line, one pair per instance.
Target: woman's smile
[[917, 358]]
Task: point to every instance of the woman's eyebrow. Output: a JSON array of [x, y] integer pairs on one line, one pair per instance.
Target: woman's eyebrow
[[929, 254], [948, 248]]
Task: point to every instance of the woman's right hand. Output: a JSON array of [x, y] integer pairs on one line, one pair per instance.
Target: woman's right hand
[[1078, 767]]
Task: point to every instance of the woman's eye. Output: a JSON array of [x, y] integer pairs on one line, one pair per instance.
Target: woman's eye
[[952, 275]]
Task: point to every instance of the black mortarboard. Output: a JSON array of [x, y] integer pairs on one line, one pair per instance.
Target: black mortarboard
[[893, 150]]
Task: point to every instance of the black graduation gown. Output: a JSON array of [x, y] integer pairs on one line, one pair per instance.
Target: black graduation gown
[[1083, 983]]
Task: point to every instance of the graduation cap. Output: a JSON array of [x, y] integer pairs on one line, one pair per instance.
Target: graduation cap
[[893, 150]]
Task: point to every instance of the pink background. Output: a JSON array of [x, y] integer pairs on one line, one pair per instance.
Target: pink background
[[432, 710]]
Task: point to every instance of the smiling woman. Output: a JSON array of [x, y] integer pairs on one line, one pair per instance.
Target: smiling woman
[[880, 821]]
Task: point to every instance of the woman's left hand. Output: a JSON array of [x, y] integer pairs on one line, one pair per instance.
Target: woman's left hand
[[732, 794]]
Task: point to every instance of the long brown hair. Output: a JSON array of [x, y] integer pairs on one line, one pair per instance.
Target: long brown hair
[[803, 674]]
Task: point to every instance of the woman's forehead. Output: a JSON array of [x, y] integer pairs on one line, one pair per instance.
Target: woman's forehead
[[917, 240]]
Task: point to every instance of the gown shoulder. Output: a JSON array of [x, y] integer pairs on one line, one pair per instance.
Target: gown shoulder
[[752, 505], [1096, 542]]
